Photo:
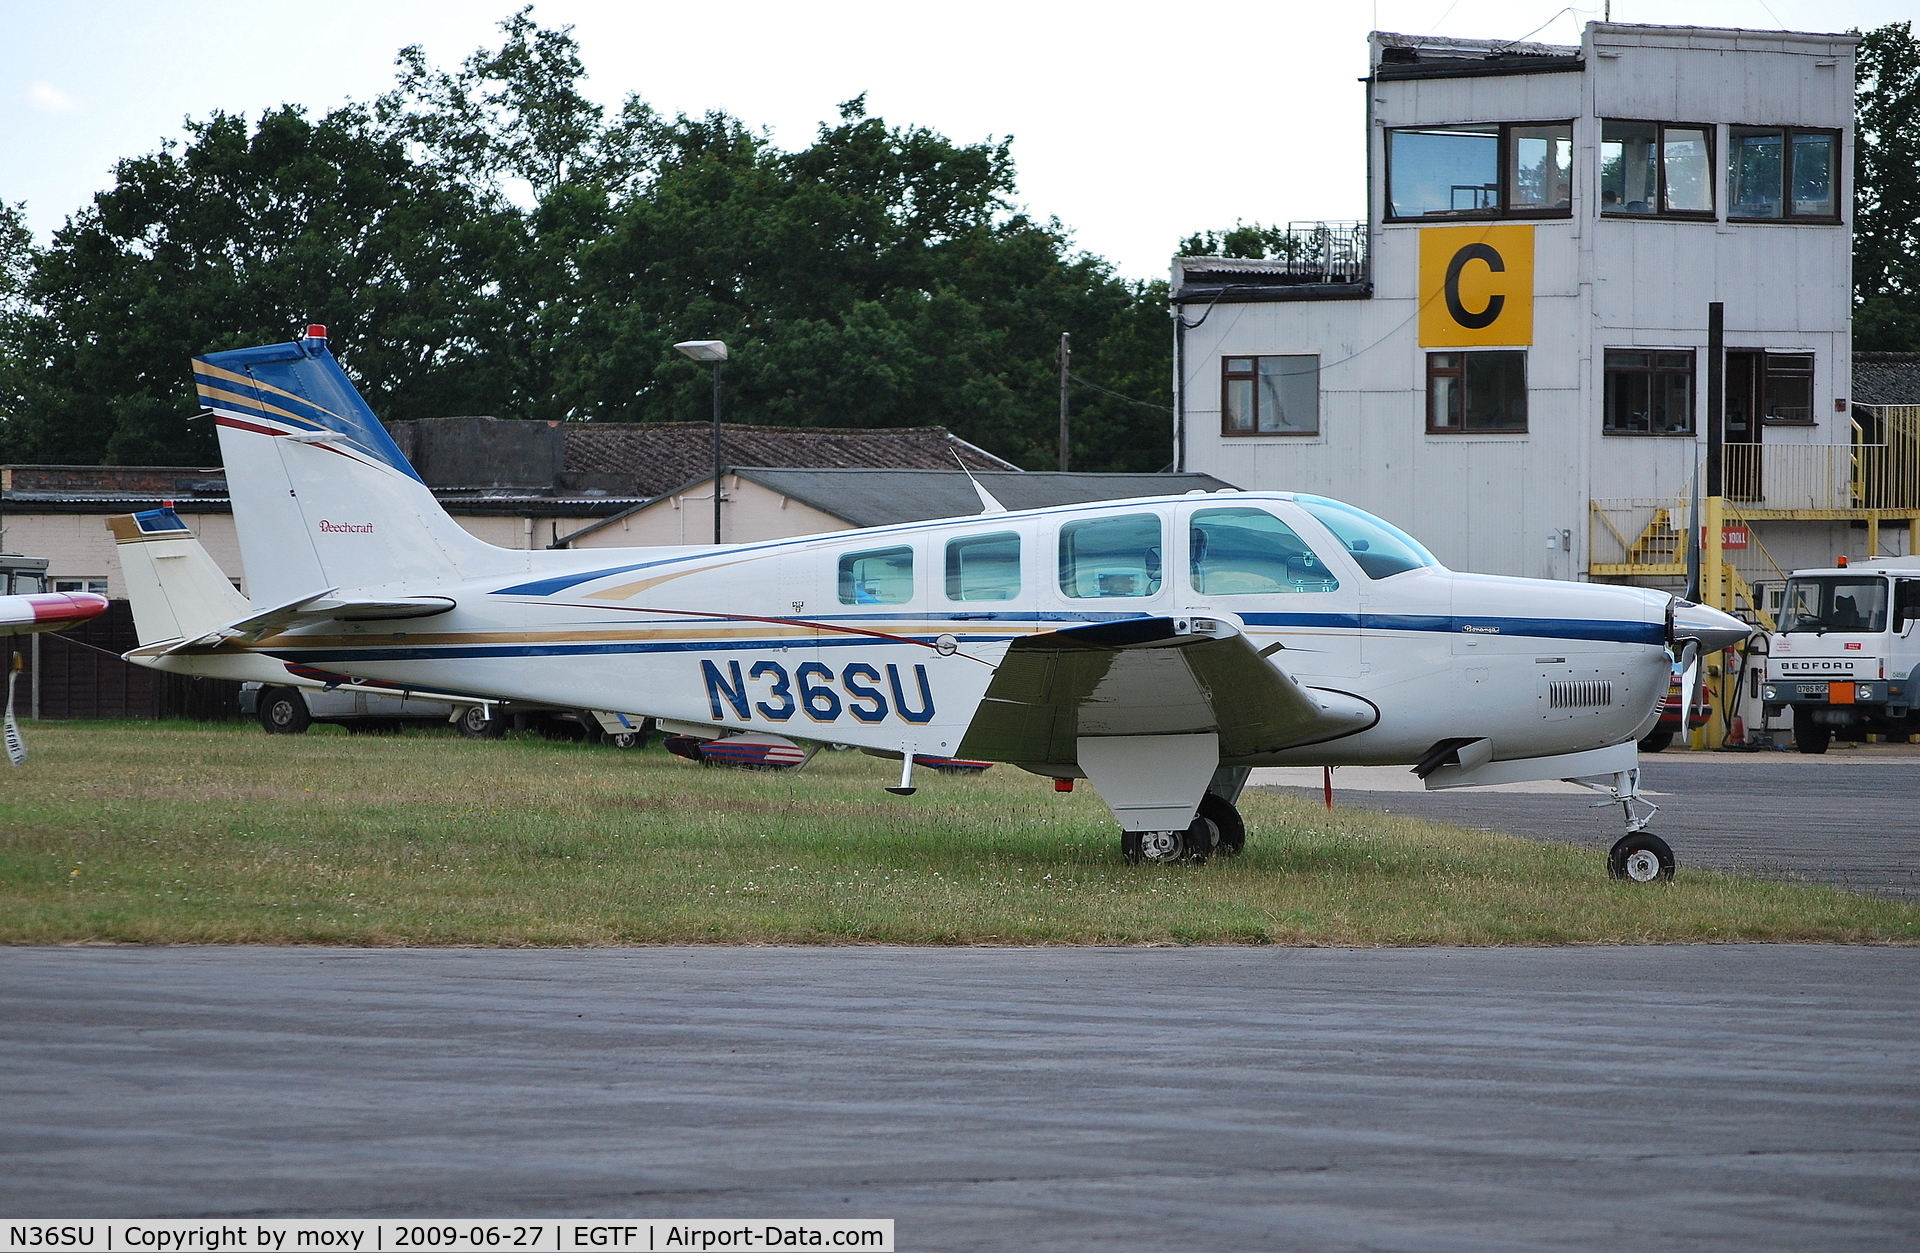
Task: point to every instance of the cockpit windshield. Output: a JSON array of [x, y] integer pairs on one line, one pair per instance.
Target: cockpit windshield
[[1380, 548], [1835, 602]]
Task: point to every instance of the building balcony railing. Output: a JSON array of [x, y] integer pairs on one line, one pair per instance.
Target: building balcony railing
[[1878, 471], [1301, 261]]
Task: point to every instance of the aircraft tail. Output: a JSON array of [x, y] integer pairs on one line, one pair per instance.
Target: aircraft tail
[[322, 497], [175, 589]]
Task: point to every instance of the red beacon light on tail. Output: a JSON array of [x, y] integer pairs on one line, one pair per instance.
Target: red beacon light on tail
[[316, 331]]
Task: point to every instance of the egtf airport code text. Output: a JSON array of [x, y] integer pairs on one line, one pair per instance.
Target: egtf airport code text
[[705, 1235]]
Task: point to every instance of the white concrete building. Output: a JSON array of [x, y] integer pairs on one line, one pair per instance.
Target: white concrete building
[[1508, 358]]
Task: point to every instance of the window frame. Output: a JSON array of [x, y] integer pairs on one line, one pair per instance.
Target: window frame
[[1460, 373], [1710, 214], [1811, 374], [1073, 527], [1786, 216], [97, 585], [1503, 150], [843, 568], [1609, 372], [954, 572], [1229, 376]]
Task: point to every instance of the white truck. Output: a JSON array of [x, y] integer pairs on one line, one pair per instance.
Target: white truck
[[1846, 659]]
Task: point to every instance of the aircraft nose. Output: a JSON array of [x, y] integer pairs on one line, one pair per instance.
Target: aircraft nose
[[1714, 630]]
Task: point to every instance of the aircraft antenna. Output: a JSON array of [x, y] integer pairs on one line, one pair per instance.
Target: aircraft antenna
[[987, 503]]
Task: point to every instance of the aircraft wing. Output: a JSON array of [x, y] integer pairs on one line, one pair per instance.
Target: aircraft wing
[[1150, 676], [47, 611], [319, 607]]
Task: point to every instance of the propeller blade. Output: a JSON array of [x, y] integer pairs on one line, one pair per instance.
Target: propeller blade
[[1689, 685]]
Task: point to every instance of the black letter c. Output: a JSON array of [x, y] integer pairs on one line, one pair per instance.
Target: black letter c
[[1484, 318]]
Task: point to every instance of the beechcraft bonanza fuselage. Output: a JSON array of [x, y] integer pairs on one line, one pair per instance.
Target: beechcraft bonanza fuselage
[[1158, 648]]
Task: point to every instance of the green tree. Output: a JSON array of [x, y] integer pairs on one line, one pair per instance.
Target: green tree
[[1886, 186], [490, 240], [240, 236]]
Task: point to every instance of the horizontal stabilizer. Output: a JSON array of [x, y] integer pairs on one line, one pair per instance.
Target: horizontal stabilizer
[[317, 607], [1151, 676]]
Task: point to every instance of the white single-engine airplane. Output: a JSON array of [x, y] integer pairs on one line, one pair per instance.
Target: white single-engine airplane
[[1158, 648]]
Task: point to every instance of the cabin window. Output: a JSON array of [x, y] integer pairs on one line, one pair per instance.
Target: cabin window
[[1270, 395], [1239, 552], [879, 576], [984, 567], [1469, 392], [1656, 169], [1111, 556], [1648, 393], [1518, 169], [1777, 172], [1377, 546]]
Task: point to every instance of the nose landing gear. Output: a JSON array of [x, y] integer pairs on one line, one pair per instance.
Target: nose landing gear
[[1639, 856]]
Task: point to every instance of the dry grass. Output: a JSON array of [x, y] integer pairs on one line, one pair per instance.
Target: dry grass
[[183, 833]]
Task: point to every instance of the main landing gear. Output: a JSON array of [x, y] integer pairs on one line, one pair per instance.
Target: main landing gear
[[1216, 829], [1639, 856]]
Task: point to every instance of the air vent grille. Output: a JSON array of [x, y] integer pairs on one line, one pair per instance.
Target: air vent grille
[[1580, 694]]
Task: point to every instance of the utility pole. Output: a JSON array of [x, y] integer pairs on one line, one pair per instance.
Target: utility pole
[[1066, 354]]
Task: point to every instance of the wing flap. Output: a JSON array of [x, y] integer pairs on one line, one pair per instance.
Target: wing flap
[[1154, 676]]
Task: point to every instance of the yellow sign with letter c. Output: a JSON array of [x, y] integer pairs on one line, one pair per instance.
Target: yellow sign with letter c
[[1476, 286]]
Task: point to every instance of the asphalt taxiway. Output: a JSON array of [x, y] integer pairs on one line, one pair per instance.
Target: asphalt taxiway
[[1710, 1097], [1847, 817]]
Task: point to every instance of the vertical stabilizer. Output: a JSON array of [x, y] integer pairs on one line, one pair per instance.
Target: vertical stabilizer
[[174, 587], [322, 497]]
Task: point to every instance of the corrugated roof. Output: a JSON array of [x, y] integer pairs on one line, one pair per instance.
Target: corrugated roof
[[1886, 378], [880, 498]]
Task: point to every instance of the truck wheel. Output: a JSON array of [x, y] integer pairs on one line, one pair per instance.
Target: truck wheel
[[475, 725], [283, 711], [1810, 738], [1656, 742]]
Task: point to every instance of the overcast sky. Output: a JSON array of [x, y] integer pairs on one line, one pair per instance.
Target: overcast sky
[[1134, 125]]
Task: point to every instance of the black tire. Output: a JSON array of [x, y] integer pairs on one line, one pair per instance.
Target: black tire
[[283, 711], [1657, 742], [475, 725], [1809, 738], [627, 739], [1227, 821], [1642, 857]]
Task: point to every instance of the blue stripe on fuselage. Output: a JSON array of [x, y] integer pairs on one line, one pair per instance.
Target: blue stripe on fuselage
[[1615, 631]]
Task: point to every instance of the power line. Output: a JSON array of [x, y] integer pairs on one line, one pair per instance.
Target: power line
[[1108, 391]]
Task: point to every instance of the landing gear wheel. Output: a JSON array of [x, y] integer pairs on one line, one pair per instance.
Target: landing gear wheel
[[1811, 738], [475, 725], [283, 711], [1640, 858], [1657, 742], [1160, 848], [1227, 822]]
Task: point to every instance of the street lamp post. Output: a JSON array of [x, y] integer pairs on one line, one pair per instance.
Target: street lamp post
[[713, 350]]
